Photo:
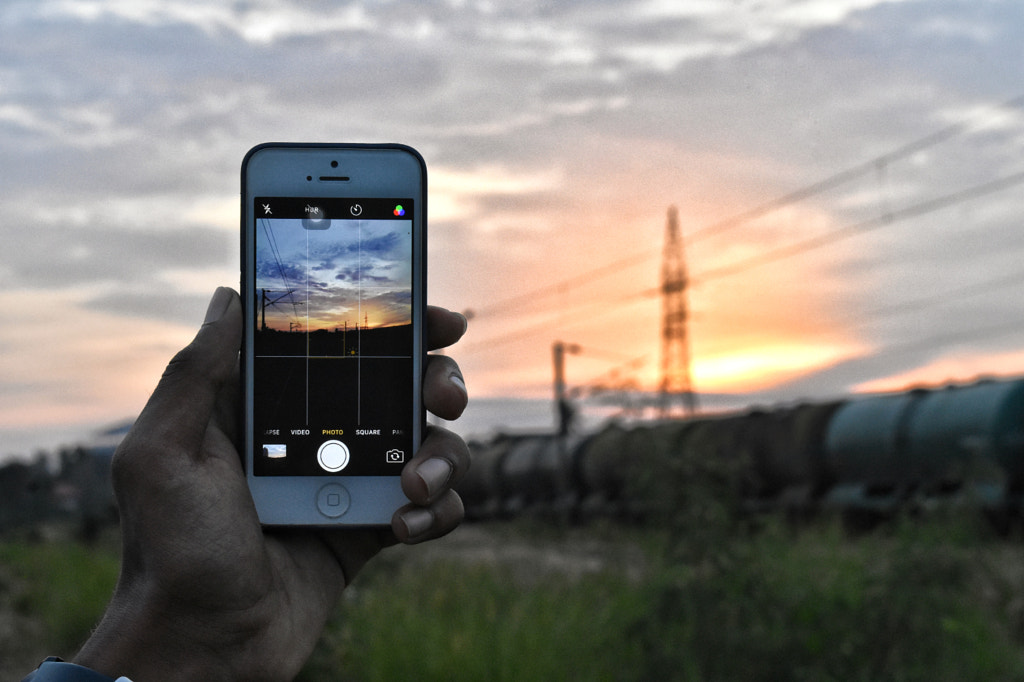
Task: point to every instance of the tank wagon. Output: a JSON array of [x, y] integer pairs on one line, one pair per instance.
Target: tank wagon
[[871, 454], [962, 443]]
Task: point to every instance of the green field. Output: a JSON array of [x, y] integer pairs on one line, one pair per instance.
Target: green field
[[912, 600]]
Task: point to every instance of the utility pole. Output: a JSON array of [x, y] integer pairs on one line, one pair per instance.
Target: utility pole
[[675, 345], [563, 410], [266, 301]]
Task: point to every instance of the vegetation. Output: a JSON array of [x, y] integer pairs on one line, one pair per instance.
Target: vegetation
[[61, 587], [936, 599], [910, 602]]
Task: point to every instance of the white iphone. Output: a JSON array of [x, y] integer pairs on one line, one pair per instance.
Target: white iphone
[[334, 294]]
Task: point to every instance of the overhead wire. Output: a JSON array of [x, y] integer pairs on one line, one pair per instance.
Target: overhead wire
[[268, 230], [613, 268], [801, 194], [820, 241], [843, 176], [888, 217], [854, 229]]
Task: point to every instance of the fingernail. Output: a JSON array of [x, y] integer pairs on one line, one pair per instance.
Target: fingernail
[[459, 382], [435, 473], [417, 521], [218, 305]]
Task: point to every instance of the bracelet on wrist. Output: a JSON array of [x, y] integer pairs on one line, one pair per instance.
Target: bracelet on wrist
[[54, 669]]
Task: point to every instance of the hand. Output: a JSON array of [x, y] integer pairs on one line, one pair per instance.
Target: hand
[[205, 592]]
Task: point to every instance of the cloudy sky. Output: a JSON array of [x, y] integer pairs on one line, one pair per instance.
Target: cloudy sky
[[847, 175], [354, 272]]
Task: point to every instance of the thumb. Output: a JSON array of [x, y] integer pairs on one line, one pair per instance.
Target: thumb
[[178, 413]]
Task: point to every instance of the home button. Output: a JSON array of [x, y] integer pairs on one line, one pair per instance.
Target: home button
[[333, 500]]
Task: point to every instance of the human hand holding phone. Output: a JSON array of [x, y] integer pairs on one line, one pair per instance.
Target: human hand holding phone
[[205, 592]]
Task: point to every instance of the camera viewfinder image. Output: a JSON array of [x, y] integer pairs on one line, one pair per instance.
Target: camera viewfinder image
[[333, 339]]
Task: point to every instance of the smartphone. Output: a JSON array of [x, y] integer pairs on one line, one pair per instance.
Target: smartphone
[[334, 294]]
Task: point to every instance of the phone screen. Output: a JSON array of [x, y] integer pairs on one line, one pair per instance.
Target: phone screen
[[333, 340]]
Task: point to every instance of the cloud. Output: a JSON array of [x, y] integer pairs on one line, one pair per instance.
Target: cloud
[[56, 256], [556, 135], [255, 22]]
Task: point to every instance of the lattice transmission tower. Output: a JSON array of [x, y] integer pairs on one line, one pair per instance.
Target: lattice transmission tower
[[676, 384]]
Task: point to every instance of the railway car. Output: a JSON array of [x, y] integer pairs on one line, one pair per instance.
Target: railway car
[[963, 443], [874, 454], [480, 488], [618, 471], [535, 473]]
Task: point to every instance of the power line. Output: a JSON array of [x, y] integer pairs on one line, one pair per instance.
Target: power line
[[775, 255], [608, 306], [967, 291], [842, 177], [563, 286], [915, 305], [268, 230], [868, 225], [798, 195], [887, 217]]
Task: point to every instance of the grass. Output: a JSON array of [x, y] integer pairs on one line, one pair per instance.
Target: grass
[[449, 621], [906, 605], [66, 585], [914, 600]]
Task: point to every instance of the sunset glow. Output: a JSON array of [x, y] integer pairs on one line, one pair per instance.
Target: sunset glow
[[847, 177], [761, 367]]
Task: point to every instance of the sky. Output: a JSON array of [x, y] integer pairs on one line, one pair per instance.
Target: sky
[[847, 175], [349, 274]]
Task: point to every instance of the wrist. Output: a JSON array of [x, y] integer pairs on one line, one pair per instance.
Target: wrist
[[139, 642], [53, 669]]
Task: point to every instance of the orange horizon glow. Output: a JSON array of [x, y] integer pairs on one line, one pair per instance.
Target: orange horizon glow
[[748, 333], [752, 332], [363, 320]]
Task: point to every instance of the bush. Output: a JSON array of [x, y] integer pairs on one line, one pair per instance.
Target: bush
[[821, 607]]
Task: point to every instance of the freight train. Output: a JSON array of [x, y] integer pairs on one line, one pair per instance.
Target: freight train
[[870, 455]]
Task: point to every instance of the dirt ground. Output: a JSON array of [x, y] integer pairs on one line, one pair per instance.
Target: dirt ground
[[574, 552]]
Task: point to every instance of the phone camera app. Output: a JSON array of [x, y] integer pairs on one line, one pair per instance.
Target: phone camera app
[[333, 337]]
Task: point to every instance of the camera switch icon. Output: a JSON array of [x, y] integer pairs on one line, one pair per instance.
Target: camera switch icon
[[395, 456]]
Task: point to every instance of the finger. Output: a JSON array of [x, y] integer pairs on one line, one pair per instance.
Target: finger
[[228, 416], [412, 524], [444, 327], [350, 548], [444, 389], [178, 413], [440, 463]]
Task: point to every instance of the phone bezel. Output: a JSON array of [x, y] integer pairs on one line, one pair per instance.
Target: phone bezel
[[294, 169]]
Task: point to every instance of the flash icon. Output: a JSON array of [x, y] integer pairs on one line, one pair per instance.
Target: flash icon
[[266, 210]]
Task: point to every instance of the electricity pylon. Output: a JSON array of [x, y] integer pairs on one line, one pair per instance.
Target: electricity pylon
[[675, 345]]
